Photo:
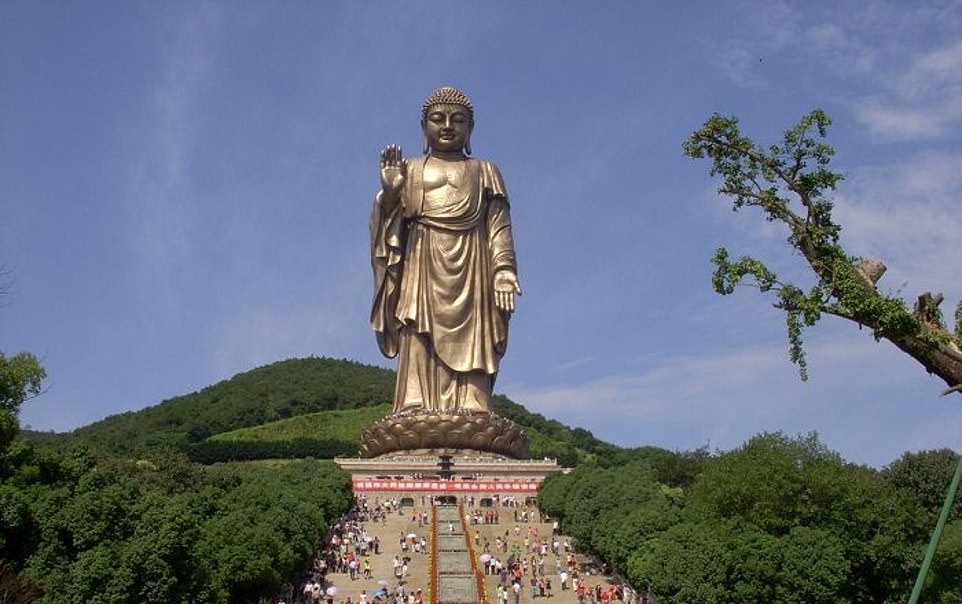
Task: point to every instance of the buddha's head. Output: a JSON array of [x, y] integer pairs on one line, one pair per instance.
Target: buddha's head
[[447, 119]]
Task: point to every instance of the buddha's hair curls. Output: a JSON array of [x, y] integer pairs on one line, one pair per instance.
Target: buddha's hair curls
[[446, 95]]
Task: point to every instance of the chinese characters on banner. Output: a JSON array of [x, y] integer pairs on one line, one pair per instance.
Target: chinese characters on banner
[[444, 486]]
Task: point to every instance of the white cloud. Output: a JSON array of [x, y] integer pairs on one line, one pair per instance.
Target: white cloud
[[932, 70], [909, 58], [829, 37], [726, 396], [738, 60], [572, 364], [762, 34], [925, 98], [898, 123], [162, 205], [839, 49], [907, 215], [662, 385], [670, 389]]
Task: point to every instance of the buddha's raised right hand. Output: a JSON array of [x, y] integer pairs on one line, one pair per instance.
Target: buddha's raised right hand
[[393, 174]]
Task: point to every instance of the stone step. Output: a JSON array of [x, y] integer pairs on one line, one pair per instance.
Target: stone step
[[457, 581]]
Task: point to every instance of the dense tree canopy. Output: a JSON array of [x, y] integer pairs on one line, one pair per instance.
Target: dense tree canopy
[[86, 528], [780, 519], [924, 475]]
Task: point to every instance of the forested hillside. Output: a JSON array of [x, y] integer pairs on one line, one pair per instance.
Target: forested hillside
[[116, 512], [280, 390], [279, 411]]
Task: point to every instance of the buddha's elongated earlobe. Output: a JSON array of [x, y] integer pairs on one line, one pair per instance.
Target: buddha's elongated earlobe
[[467, 146], [427, 147]]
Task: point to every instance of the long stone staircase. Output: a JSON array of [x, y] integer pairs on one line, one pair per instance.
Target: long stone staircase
[[454, 571]]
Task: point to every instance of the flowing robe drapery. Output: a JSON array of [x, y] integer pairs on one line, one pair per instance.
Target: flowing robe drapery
[[434, 303]]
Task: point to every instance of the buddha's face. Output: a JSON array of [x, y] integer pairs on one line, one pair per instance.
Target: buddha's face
[[447, 127]]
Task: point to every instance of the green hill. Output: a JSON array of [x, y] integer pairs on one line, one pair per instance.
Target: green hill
[[330, 433], [280, 390], [321, 435], [344, 425], [313, 407]]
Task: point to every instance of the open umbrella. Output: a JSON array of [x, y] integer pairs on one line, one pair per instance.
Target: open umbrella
[[485, 558], [331, 591], [383, 582]]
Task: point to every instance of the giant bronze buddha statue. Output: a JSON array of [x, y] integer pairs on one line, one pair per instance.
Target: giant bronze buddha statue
[[445, 286]]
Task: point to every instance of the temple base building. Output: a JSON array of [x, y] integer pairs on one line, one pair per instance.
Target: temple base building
[[454, 479]]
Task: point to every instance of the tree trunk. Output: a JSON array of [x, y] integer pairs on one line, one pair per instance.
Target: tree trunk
[[942, 361]]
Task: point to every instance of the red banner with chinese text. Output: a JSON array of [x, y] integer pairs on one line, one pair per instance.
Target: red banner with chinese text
[[445, 486]]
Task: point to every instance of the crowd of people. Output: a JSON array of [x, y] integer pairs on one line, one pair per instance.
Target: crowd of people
[[529, 565], [517, 552], [349, 552]]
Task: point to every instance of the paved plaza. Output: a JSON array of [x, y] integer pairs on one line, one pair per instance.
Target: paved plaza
[[455, 585]]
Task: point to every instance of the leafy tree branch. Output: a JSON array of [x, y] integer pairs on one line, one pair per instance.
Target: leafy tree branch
[[791, 182]]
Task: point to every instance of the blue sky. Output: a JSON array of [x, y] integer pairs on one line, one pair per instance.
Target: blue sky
[[185, 188]]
